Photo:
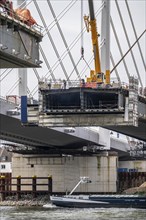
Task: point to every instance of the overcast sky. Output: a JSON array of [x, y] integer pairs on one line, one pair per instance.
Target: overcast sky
[[71, 27]]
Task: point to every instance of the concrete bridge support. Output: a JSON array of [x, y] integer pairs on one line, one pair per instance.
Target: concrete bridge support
[[66, 171]]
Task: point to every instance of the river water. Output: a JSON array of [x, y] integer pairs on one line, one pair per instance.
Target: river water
[[49, 212]]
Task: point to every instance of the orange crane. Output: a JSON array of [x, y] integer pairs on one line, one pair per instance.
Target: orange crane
[[96, 76]]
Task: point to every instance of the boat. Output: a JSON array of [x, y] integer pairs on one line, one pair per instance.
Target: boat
[[98, 201]]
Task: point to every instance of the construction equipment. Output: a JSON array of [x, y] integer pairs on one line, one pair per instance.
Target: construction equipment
[[25, 16], [22, 14], [96, 76]]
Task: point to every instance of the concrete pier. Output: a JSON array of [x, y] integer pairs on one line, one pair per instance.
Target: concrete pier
[[67, 170]]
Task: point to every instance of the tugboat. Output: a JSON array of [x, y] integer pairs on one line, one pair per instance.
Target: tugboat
[[98, 201]]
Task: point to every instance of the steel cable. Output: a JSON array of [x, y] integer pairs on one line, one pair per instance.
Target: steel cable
[[127, 38]]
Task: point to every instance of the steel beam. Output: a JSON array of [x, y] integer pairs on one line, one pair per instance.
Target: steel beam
[[19, 43]]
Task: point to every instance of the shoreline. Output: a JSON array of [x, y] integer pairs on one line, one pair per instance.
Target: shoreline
[[26, 200]]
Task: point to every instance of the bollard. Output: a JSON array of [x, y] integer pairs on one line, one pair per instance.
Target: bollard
[[50, 184], [34, 186], [18, 187], [3, 194]]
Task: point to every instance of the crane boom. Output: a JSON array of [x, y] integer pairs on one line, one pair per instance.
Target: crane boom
[[91, 10], [95, 75]]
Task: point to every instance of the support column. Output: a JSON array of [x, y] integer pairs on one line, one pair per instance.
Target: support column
[[133, 100], [82, 99], [18, 187], [105, 38], [22, 72]]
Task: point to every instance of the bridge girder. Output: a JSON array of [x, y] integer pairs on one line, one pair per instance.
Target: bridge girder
[[19, 43]]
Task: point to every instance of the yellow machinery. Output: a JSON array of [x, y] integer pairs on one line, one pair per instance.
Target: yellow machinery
[[96, 76]]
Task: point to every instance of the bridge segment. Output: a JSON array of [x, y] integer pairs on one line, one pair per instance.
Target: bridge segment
[[84, 106], [19, 43]]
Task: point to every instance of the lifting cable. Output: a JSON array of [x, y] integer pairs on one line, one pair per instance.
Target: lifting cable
[[65, 53], [82, 42], [82, 38], [70, 47], [86, 67], [74, 68]]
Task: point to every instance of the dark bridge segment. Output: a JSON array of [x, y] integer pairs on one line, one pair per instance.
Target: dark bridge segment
[[83, 99], [43, 139], [81, 106], [111, 108], [132, 131]]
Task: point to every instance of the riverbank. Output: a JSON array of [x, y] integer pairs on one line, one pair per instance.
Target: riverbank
[[26, 200], [141, 190]]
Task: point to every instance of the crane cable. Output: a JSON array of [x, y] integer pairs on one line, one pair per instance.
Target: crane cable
[[82, 39], [57, 63], [82, 28], [74, 68]]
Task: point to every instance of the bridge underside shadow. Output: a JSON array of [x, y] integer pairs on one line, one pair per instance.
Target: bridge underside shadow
[[41, 139], [132, 131]]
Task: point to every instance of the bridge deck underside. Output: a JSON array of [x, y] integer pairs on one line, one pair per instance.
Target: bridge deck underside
[[132, 131], [10, 61], [48, 141], [44, 140]]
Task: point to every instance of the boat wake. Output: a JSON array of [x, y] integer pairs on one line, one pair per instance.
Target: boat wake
[[49, 205]]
